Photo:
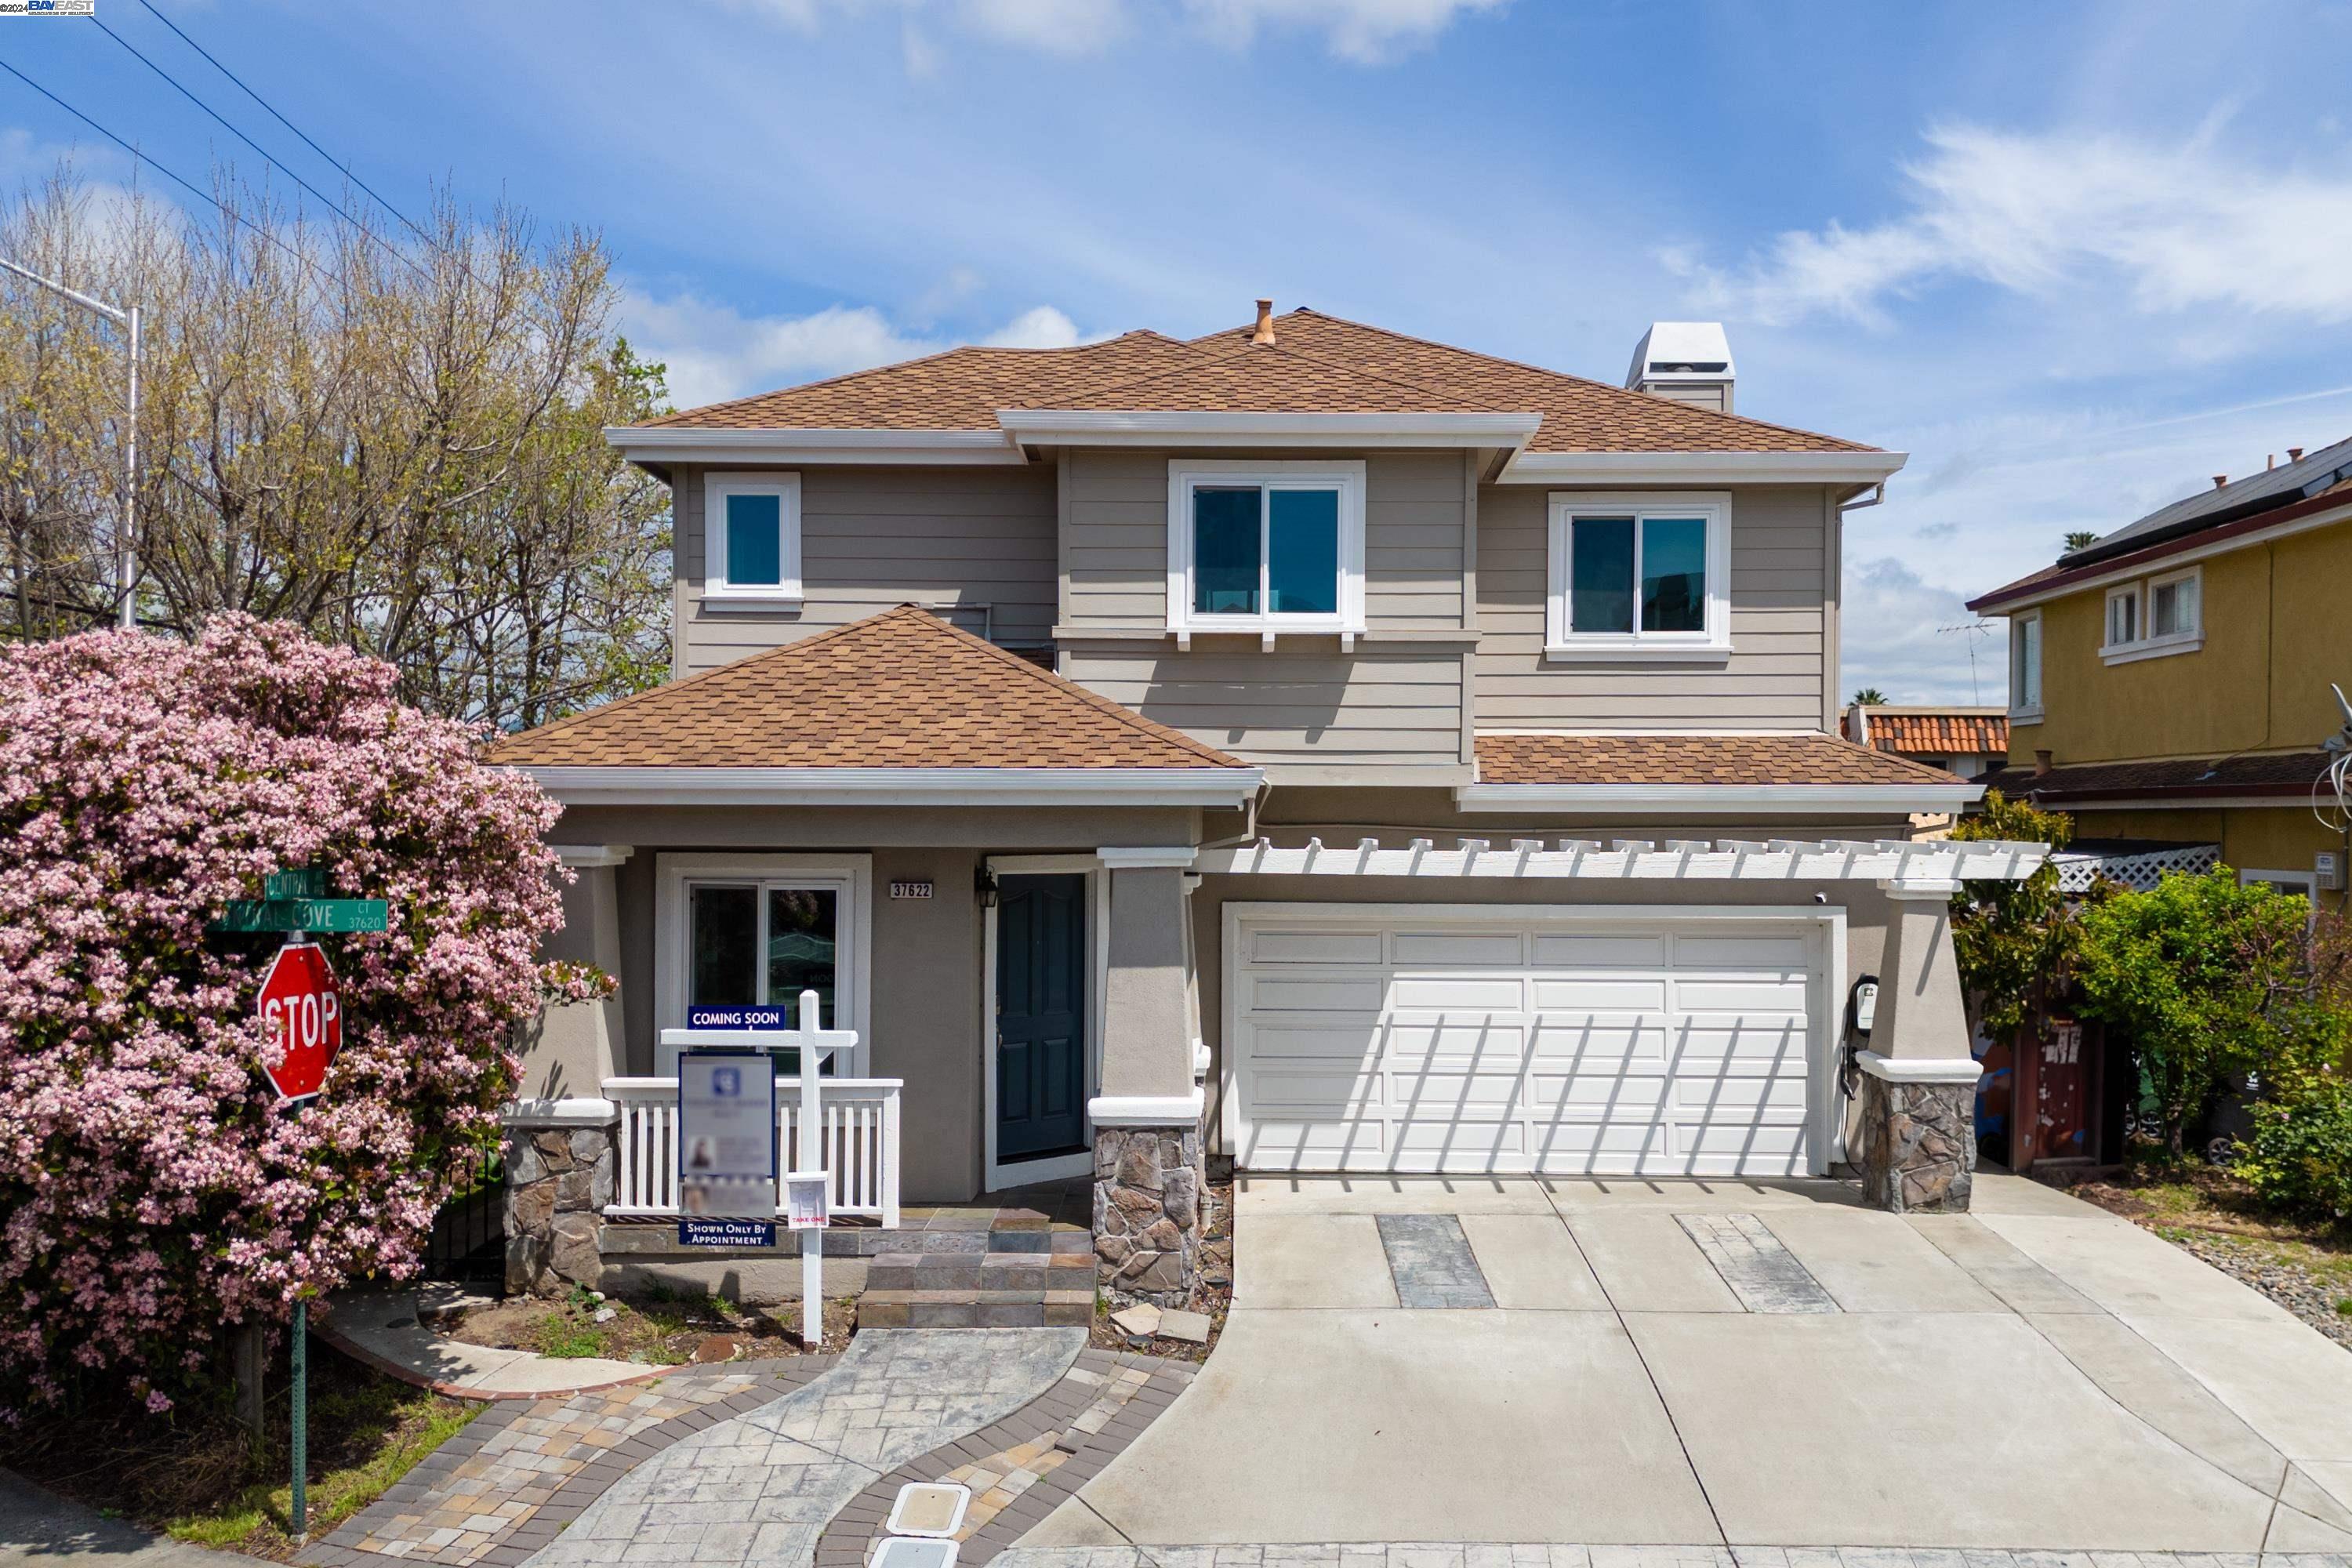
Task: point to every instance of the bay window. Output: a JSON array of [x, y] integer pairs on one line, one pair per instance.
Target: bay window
[[1639, 575], [1265, 546]]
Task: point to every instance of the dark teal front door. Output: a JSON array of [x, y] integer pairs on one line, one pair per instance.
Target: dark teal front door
[[1041, 1016]]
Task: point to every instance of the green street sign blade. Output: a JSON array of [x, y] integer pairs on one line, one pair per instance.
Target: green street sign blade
[[303, 914], [307, 883]]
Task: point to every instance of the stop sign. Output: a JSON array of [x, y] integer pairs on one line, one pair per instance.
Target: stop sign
[[302, 1014]]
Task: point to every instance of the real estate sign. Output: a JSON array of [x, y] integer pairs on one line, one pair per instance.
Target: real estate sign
[[726, 1148]]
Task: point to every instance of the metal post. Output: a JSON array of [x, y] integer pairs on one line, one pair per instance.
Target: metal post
[[301, 1436], [126, 549], [126, 555]]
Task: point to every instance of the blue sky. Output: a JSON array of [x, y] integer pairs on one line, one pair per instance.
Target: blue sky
[[2075, 259]]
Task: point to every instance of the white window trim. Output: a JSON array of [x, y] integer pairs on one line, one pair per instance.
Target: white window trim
[[2020, 711], [1187, 474], [2148, 645], [1563, 642], [1002, 1174], [850, 876], [2122, 593], [2307, 878], [786, 489]]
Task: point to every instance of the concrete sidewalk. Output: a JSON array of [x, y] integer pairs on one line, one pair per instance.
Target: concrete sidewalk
[[37, 1527], [379, 1326], [1735, 1363]]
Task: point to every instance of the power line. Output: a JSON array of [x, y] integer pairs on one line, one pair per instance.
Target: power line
[[186, 185], [366, 233], [342, 168]]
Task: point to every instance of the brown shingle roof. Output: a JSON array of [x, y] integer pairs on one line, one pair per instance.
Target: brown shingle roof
[[901, 689], [1923, 732], [2289, 774], [1317, 364], [1793, 759]]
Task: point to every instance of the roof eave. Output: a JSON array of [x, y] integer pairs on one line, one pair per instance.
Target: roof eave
[[708, 444], [1717, 800], [1862, 468], [1200, 786], [2218, 539]]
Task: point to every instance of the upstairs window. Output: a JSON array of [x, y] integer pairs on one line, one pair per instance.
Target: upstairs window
[[751, 529], [2152, 619], [2025, 666], [1266, 547], [1641, 575]]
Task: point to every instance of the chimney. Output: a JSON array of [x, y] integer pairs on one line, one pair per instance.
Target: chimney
[[2220, 481], [2295, 453], [1684, 362], [2041, 763], [1264, 336]]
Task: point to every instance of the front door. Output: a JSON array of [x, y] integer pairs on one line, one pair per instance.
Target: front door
[[1041, 1015]]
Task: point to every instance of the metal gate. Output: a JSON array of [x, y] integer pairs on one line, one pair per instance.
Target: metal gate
[[468, 1242]]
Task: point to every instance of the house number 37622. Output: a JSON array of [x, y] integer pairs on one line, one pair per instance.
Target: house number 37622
[[911, 890]]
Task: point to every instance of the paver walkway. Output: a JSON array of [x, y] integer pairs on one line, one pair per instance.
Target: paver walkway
[[760, 1487]]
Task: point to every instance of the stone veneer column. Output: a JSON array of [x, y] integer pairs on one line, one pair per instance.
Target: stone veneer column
[[561, 1158], [1148, 1154], [1917, 1136]]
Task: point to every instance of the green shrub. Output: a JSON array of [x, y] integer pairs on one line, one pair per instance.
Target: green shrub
[[2299, 1155]]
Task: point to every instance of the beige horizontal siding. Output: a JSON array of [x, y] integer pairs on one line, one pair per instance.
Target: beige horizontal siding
[[1778, 669], [1385, 708], [977, 545]]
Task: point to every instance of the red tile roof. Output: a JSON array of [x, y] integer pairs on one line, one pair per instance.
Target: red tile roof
[[1317, 364], [1937, 732], [901, 689]]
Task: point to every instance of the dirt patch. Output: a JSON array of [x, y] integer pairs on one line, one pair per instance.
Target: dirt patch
[[1214, 1297], [198, 1476], [655, 1329]]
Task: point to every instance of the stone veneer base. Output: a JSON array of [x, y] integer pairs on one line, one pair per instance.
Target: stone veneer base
[[1149, 1184], [1918, 1145]]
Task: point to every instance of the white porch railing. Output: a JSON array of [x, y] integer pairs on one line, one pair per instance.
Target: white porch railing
[[857, 1143]]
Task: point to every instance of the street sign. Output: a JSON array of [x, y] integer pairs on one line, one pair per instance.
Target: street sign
[[302, 914], [310, 882], [302, 1011]]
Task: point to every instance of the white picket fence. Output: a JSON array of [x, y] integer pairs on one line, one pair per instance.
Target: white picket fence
[[856, 1142]]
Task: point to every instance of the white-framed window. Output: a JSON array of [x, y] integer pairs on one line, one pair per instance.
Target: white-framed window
[[1644, 575], [2304, 885], [2123, 615], [758, 929], [1265, 546], [751, 535], [2156, 616], [2025, 668]]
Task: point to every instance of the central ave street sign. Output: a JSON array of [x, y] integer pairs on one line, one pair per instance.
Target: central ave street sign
[[303, 1013]]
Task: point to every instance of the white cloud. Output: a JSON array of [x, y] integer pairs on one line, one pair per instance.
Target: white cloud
[[2177, 228], [1893, 633], [1067, 27], [715, 351], [1368, 32]]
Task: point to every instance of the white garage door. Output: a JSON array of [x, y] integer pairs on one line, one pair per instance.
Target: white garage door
[[1583, 1042]]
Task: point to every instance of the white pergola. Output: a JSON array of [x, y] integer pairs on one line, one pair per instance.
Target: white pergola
[[1925, 865]]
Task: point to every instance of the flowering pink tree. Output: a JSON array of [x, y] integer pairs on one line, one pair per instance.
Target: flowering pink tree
[[152, 1193]]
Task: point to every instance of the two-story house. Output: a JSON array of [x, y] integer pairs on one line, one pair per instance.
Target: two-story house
[[1304, 745], [2170, 682]]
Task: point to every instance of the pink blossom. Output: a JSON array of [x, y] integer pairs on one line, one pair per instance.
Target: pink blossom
[[151, 1190]]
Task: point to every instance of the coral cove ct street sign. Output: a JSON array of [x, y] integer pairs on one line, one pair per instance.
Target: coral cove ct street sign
[[302, 1012]]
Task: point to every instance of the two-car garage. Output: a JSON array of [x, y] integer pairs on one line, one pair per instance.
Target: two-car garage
[[1554, 1039]]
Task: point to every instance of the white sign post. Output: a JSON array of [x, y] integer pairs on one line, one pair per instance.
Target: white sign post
[[806, 1200]]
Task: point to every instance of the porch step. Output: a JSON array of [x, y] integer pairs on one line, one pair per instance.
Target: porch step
[[976, 1309]]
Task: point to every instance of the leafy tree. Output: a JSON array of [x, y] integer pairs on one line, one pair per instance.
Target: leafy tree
[[393, 441], [2299, 1154], [1868, 697], [2012, 941], [2211, 979], [152, 1194]]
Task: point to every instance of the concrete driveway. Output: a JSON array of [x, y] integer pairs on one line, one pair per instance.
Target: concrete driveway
[[1724, 1362]]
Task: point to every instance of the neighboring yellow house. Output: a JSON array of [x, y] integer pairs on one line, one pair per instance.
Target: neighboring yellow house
[[2169, 683]]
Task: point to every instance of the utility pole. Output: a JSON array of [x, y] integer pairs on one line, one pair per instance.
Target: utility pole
[[126, 550]]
